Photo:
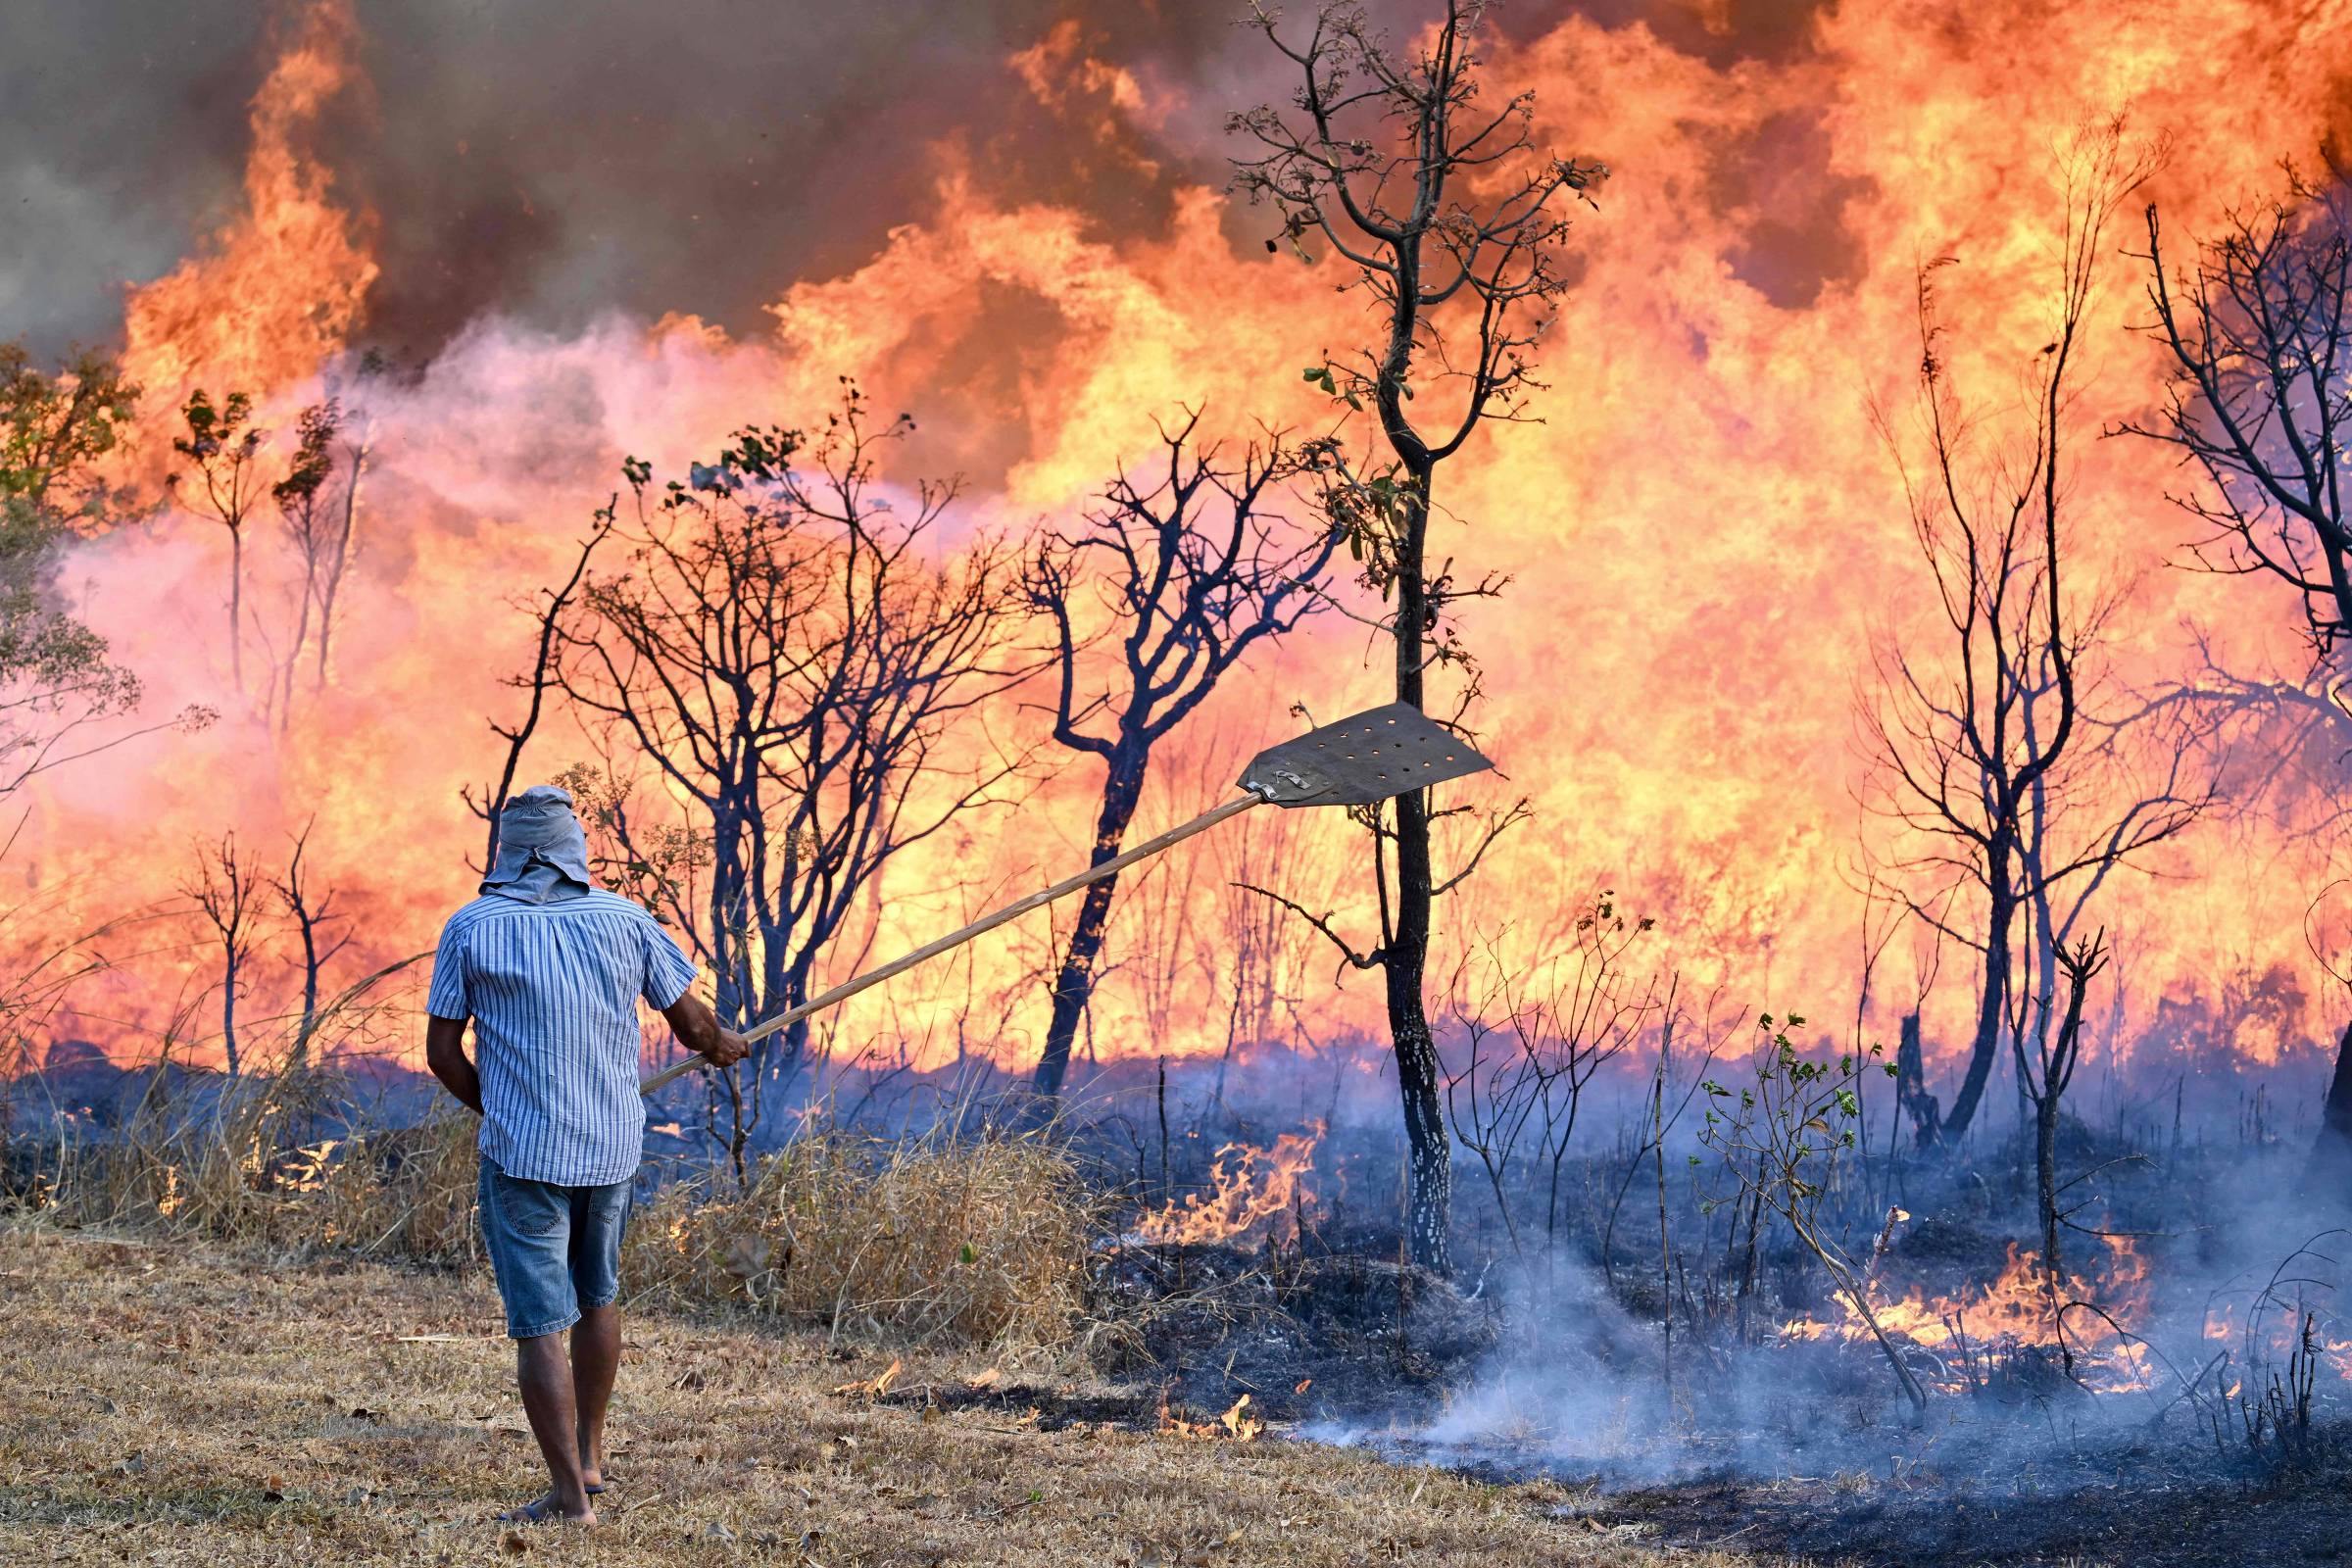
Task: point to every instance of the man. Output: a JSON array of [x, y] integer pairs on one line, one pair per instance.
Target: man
[[550, 970]]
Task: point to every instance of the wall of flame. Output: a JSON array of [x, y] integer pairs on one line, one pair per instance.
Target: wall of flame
[[1703, 534]]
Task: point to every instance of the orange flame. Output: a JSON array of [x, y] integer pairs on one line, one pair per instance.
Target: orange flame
[[1968, 1327], [2276, 1341], [1236, 1425], [1746, 284], [1250, 1190], [274, 293]]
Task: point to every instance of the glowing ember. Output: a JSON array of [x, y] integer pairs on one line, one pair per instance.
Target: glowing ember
[[1250, 1191], [306, 1170]]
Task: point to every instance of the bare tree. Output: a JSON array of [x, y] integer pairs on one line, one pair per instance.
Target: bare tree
[[1990, 752], [223, 888], [314, 913], [338, 540], [781, 656], [549, 605], [2258, 328], [2259, 331], [1445, 215], [1532, 1036], [1191, 568], [2055, 1035], [222, 447], [311, 529]]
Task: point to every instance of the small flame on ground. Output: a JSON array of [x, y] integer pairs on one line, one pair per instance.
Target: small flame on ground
[[1249, 1188], [1966, 1331], [1236, 1425]]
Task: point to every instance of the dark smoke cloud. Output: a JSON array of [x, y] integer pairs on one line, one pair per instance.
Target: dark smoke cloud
[[552, 161], [122, 134]]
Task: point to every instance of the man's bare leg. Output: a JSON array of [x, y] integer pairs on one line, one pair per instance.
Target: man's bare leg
[[595, 1362], [547, 1399]]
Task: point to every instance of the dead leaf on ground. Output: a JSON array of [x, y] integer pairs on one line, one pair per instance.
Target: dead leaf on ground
[[877, 1387]]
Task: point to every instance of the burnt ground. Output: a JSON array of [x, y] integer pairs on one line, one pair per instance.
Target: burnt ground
[[1339, 1342], [2128, 1502], [1307, 1338], [2137, 1517]]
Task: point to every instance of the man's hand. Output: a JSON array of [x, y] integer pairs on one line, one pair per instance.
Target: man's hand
[[697, 1030], [728, 1049]]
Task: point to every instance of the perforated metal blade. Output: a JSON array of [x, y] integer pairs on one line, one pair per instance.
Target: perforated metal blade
[[1364, 758]]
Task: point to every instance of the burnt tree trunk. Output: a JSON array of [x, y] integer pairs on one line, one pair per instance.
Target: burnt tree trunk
[[1074, 985], [2045, 1170], [2331, 1168], [1911, 1097], [228, 1011], [310, 992], [1429, 1200], [237, 610], [2001, 918]]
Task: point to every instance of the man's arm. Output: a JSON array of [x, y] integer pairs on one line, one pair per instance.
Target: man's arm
[[697, 1030], [445, 1054]]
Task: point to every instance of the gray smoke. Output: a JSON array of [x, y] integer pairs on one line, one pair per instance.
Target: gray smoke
[[552, 161]]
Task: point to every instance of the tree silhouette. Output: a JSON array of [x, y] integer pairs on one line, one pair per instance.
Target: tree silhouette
[[1192, 568], [778, 653], [222, 447], [1445, 215]]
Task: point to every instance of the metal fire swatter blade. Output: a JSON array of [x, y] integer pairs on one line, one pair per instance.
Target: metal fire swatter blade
[[1364, 758]]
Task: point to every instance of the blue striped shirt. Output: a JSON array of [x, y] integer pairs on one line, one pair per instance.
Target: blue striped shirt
[[552, 991]]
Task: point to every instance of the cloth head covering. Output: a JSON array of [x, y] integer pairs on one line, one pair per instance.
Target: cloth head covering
[[542, 852]]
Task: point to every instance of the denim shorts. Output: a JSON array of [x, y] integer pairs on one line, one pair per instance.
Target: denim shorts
[[554, 1249]]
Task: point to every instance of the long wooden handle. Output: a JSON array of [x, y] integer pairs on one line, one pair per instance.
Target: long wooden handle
[[955, 939]]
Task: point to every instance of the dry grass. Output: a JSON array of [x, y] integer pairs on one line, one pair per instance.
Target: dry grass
[[979, 1240], [186, 1402], [241, 1168]]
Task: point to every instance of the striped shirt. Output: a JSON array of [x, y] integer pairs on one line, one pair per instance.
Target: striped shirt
[[552, 991]]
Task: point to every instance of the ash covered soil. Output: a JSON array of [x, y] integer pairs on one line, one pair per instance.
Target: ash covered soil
[[2033, 1472]]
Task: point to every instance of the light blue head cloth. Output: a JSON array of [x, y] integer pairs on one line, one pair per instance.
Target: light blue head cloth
[[542, 852]]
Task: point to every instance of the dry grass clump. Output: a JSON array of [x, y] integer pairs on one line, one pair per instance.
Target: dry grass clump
[[980, 1239], [974, 1239], [404, 1193], [245, 1164]]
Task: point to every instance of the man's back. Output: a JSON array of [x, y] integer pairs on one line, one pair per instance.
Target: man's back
[[552, 991]]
